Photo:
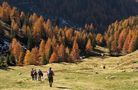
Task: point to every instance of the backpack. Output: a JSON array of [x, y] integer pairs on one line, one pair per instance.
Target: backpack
[[40, 73], [50, 73], [35, 73]]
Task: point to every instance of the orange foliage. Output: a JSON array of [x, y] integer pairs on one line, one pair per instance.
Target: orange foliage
[[47, 46], [36, 56], [42, 50], [75, 51], [21, 59], [68, 34], [35, 28], [133, 44], [28, 58], [61, 52], [38, 26], [89, 46], [33, 17], [14, 25], [99, 39], [54, 58], [16, 49], [26, 29], [121, 39]]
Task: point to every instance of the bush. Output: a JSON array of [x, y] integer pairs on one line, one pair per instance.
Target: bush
[[11, 60], [3, 63]]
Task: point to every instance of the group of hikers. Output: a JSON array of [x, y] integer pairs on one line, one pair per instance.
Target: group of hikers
[[38, 75]]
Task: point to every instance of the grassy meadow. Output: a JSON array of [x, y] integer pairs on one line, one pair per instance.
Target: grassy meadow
[[120, 73]]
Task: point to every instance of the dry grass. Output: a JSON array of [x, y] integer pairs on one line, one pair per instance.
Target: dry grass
[[120, 73]]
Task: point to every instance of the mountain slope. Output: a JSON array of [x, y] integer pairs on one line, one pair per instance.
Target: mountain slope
[[122, 36], [79, 12]]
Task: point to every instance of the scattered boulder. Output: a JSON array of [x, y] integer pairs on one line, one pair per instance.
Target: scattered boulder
[[20, 73], [103, 67], [19, 81], [110, 77], [136, 68], [96, 73], [124, 71]]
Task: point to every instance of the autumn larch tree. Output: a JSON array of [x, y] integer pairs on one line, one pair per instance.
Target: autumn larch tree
[[127, 41], [21, 59], [48, 50], [61, 53], [42, 50], [37, 27], [89, 46], [68, 33], [5, 11], [26, 30], [14, 26], [16, 49], [36, 56], [121, 39], [47, 27], [133, 44], [47, 45], [28, 58], [109, 42], [75, 51], [99, 39], [54, 58], [33, 18], [114, 46]]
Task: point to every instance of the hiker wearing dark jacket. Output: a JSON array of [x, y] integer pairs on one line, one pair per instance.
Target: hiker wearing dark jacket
[[32, 74], [35, 74], [50, 75], [40, 74]]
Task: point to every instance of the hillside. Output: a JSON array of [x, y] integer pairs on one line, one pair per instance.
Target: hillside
[[44, 33], [120, 73], [122, 36], [79, 12], [35, 40]]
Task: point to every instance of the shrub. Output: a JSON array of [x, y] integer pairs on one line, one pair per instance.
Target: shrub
[[3, 62]]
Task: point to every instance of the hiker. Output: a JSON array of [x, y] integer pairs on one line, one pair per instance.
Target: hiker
[[40, 74], [32, 74], [35, 74], [50, 75]]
